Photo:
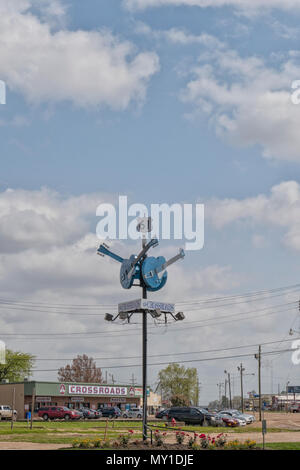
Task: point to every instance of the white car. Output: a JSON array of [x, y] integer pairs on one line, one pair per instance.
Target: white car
[[133, 413], [247, 417], [6, 412]]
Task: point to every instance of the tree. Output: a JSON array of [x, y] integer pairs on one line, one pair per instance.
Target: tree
[[82, 369], [179, 400], [214, 405], [17, 366], [176, 380]]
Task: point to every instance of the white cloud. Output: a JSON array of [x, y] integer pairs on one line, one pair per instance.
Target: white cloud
[[244, 5], [88, 68], [280, 209], [247, 101], [178, 36]]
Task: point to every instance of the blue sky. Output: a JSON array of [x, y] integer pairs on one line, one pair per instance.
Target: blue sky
[[166, 103]]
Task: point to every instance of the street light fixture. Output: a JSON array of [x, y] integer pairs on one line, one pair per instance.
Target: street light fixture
[[156, 313], [109, 317], [179, 316]]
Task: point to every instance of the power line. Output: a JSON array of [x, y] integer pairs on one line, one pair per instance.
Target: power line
[[29, 305], [177, 353], [174, 362], [213, 320]]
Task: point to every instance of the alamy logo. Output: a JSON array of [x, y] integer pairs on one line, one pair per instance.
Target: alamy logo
[[295, 97], [296, 353], [176, 221], [2, 92]]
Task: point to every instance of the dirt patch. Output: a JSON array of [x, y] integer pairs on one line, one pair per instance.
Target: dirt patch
[[31, 446]]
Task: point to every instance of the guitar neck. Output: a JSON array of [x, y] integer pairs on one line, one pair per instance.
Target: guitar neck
[[104, 251], [152, 242], [170, 261]]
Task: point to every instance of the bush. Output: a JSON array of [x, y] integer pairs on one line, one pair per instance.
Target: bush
[[180, 436], [221, 440], [125, 438], [97, 443], [159, 437], [85, 444], [204, 441]]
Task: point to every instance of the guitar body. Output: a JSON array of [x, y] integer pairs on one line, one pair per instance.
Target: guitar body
[[126, 282], [150, 277]]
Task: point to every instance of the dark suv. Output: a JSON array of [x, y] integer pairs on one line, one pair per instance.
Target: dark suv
[[187, 414], [110, 412], [58, 412]]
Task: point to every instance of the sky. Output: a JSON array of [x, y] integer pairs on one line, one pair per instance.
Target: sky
[[164, 101]]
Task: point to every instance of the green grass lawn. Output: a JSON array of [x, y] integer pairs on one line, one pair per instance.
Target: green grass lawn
[[62, 432], [281, 445]]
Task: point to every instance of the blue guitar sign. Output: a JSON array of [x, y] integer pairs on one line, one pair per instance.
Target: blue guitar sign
[[149, 272]]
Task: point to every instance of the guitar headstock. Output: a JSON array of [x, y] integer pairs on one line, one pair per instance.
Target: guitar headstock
[[153, 242], [103, 249]]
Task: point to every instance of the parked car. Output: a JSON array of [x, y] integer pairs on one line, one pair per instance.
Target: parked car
[[58, 412], [162, 414], [234, 415], [187, 414], [133, 413], [6, 412], [111, 412], [239, 415], [247, 417], [222, 419], [208, 415], [87, 413], [295, 408]]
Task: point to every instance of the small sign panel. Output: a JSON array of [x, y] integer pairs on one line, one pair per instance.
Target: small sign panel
[[144, 304]]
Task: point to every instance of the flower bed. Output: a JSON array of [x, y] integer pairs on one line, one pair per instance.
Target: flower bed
[[184, 441]]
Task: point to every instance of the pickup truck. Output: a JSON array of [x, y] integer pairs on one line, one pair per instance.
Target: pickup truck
[[295, 408], [6, 412]]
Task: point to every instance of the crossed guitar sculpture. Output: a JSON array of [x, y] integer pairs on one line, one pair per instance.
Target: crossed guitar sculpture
[[150, 271]]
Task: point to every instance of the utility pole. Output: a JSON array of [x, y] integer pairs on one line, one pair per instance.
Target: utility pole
[[225, 392], [112, 379], [13, 407], [220, 396], [133, 381], [32, 407], [287, 397], [241, 369], [229, 388], [258, 357]]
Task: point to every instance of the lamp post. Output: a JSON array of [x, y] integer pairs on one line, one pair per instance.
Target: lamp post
[[151, 275]]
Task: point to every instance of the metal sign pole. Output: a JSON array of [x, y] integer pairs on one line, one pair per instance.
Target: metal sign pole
[[144, 357], [144, 368], [152, 275]]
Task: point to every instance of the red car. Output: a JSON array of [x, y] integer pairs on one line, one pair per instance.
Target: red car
[[58, 412]]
